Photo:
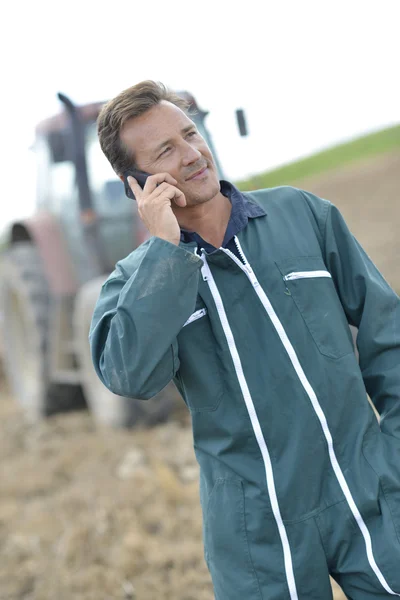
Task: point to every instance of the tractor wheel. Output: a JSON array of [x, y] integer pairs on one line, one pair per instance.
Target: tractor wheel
[[25, 303], [108, 408]]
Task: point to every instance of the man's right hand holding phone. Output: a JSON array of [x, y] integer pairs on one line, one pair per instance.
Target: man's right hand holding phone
[[154, 205]]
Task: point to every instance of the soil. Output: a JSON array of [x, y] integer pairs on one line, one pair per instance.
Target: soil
[[89, 513]]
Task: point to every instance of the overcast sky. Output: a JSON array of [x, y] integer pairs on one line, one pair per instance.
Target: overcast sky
[[308, 74]]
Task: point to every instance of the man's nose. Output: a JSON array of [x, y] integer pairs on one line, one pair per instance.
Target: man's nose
[[190, 155]]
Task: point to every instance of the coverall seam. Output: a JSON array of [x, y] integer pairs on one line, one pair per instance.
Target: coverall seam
[[322, 542], [313, 514], [248, 545], [382, 487], [328, 209], [324, 219]]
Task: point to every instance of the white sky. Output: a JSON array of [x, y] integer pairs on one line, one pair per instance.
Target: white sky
[[308, 73]]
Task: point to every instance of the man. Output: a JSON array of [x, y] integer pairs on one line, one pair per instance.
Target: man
[[244, 300]]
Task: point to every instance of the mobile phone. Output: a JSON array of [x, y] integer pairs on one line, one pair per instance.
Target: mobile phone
[[140, 176]]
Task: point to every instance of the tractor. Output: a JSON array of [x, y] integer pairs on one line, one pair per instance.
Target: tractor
[[54, 264]]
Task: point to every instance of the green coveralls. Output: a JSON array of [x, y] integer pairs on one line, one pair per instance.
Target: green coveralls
[[297, 477]]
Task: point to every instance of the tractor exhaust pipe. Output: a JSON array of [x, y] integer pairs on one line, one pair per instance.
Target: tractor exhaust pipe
[[88, 214]]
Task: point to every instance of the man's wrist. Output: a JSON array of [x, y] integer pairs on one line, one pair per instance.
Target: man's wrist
[[174, 241]]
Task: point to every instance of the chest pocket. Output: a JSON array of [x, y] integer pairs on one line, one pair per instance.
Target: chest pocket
[[312, 290], [200, 360]]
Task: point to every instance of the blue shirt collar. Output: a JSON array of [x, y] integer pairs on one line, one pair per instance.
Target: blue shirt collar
[[243, 209]]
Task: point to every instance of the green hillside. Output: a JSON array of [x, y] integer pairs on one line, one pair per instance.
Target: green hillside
[[386, 140]]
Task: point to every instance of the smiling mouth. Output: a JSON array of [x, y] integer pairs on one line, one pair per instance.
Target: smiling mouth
[[198, 173]]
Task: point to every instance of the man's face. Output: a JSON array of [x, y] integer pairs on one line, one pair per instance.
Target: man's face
[[165, 140]]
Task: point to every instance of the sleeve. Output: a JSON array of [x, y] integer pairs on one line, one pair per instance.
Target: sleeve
[[373, 307], [140, 311]]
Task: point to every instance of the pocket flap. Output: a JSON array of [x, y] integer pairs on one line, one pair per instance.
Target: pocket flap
[[312, 289]]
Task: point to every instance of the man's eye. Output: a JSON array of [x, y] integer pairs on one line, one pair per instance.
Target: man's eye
[[191, 133], [165, 151]]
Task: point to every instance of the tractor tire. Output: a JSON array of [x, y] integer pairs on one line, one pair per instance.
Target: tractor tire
[[25, 303], [108, 408]]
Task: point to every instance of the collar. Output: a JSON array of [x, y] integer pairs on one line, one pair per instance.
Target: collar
[[243, 209]]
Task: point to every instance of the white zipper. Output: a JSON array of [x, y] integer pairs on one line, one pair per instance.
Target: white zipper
[[322, 419], [306, 275], [245, 265], [207, 276], [196, 315]]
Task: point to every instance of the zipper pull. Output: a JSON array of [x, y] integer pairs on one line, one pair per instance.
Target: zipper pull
[[285, 279], [252, 275], [205, 265]]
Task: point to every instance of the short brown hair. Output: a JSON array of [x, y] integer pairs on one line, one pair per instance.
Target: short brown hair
[[129, 104]]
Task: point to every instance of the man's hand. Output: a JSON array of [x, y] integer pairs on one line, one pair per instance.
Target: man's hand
[[154, 205]]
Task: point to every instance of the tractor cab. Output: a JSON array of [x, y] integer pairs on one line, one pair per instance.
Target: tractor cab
[[55, 263]]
